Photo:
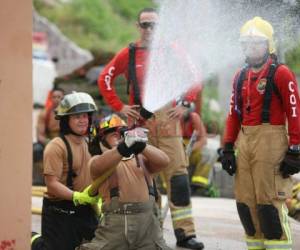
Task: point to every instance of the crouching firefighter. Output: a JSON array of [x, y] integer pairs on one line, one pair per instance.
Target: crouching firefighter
[[128, 220], [68, 218], [265, 97]]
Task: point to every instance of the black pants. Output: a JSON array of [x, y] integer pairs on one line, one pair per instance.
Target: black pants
[[65, 226]]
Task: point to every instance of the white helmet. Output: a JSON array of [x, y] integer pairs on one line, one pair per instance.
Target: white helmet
[[75, 103]]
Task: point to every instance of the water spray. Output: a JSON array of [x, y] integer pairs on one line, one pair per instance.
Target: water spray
[[197, 38]]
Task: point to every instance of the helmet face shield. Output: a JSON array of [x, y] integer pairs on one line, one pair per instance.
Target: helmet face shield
[[254, 47], [82, 108]]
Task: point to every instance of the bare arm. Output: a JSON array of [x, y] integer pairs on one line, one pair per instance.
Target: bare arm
[[57, 189], [40, 128], [101, 163], [156, 159]]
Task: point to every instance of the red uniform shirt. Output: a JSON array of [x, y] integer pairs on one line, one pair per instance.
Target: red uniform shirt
[[119, 66], [281, 109]]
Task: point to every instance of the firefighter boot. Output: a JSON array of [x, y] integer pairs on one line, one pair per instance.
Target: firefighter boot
[[190, 243], [36, 240]]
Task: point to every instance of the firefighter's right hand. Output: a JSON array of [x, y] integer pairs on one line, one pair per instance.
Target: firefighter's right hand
[[131, 111], [228, 159], [83, 198], [135, 141]]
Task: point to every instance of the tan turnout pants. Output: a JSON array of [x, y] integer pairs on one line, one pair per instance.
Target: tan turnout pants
[[166, 135], [126, 226], [260, 190]]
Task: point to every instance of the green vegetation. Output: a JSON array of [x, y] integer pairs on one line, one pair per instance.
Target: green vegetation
[[105, 26], [96, 25], [213, 120], [293, 59]]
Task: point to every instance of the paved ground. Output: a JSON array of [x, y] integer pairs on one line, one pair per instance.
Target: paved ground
[[217, 224]]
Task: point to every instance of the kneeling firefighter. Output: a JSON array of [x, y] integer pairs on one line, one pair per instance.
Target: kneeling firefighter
[[67, 216], [128, 220], [265, 96]]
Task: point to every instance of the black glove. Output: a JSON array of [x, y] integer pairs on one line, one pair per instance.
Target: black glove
[[228, 159], [134, 142], [290, 164], [145, 113], [136, 148], [124, 150]]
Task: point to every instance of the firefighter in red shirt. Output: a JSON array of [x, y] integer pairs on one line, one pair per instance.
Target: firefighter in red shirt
[[132, 63], [264, 97]]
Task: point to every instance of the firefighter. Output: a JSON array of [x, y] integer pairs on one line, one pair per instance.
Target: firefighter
[[67, 214], [264, 97], [164, 126], [195, 139], [47, 125], [293, 203], [128, 221]]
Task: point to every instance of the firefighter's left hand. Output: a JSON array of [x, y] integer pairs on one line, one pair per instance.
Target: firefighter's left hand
[[290, 164]]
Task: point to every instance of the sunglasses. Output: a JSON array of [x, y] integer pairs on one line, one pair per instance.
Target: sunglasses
[[146, 25]]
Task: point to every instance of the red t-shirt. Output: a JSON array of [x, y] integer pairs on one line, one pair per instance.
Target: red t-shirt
[[119, 66], [281, 109]]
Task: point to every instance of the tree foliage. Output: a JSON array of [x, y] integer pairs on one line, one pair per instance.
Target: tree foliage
[[96, 25]]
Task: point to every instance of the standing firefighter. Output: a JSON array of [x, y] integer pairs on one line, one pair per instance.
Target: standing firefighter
[[67, 215], [265, 96], [165, 132], [128, 221]]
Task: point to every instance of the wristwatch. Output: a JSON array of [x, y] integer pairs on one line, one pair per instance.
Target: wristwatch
[[294, 148]]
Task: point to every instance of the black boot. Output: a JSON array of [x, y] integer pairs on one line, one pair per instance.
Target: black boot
[[190, 243], [36, 241]]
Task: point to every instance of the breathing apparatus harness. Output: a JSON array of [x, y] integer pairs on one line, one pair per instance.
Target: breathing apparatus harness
[[269, 88]]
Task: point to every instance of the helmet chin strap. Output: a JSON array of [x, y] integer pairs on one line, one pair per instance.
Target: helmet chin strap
[[258, 65], [73, 133]]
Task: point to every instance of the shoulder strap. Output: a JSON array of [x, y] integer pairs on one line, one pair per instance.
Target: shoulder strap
[[270, 87], [132, 79], [71, 174], [150, 187], [238, 102], [47, 119]]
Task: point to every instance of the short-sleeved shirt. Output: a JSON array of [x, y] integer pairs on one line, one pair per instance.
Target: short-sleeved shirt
[[56, 161]]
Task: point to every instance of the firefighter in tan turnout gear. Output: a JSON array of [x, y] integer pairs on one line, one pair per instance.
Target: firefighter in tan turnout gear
[[128, 220], [265, 97], [67, 216]]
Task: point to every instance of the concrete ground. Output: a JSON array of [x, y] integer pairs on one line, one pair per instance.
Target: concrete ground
[[217, 224]]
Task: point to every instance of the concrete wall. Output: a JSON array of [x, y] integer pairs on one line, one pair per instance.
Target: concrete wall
[[15, 123]]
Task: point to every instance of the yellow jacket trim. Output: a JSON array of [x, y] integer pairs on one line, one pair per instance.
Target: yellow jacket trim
[[181, 214], [255, 244], [200, 179]]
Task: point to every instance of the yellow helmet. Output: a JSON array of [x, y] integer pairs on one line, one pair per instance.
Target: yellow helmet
[[258, 28], [75, 103], [111, 123]]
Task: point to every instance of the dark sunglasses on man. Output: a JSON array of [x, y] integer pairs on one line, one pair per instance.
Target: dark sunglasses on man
[[146, 25]]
